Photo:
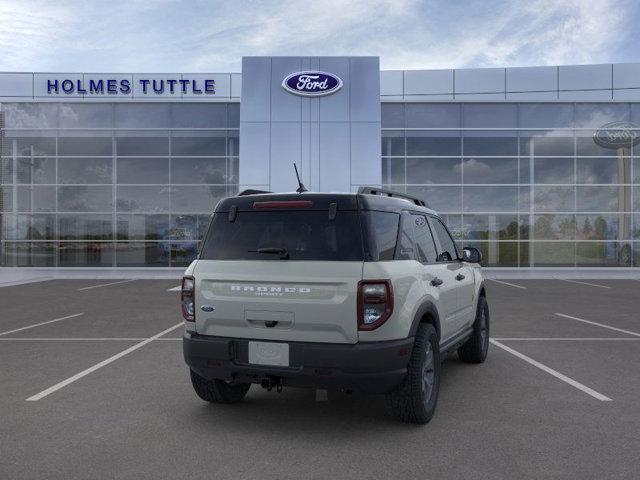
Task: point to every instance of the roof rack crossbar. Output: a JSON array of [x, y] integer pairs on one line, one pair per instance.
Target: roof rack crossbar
[[251, 191], [391, 193]]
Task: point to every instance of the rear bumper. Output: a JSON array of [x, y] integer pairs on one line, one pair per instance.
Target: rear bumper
[[372, 367]]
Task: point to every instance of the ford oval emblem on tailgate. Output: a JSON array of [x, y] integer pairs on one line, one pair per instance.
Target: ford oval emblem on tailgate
[[207, 308]]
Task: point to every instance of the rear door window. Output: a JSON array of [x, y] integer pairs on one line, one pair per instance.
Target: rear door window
[[446, 246], [302, 234], [425, 246], [406, 239]]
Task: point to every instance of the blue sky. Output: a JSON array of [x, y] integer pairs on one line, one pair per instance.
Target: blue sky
[[212, 36]]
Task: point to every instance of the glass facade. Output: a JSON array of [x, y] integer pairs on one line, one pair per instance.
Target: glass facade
[[112, 184], [108, 184], [524, 182]]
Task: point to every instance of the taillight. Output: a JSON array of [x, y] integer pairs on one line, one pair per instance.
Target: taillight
[[375, 303], [187, 298]]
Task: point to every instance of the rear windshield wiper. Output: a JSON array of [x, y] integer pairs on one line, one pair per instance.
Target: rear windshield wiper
[[284, 254]]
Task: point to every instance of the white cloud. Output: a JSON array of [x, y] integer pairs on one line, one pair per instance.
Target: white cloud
[[164, 35], [28, 31]]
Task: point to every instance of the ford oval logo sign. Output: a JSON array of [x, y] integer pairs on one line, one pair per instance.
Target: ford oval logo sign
[[312, 83], [617, 135]]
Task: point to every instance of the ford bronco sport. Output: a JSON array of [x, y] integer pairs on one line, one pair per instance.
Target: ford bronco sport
[[355, 292]]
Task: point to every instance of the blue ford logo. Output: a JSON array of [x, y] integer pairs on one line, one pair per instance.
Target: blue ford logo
[[207, 308], [312, 84]]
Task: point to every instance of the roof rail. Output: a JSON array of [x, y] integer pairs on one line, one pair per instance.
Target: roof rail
[[250, 191], [391, 193]]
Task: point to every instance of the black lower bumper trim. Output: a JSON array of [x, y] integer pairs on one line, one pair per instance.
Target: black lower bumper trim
[[368, 367]]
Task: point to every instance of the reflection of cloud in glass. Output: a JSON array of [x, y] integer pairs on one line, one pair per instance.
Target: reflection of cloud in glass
[[441, 199], [553, 199], [30, 115], [597, 170], [68, 115], [596, 114], [553, 170], [473, 167], [490, 199], [598, 199]]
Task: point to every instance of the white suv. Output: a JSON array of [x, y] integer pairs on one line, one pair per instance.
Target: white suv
[[363, 292]]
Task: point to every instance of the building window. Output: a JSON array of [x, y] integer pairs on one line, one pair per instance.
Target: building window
[[112, 184], [525, 183]]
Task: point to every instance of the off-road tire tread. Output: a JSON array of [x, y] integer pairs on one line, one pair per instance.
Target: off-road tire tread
[[218, 391], [405, 401]]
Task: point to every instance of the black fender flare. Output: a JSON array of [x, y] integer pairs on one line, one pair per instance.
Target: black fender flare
[[427, 308], [482, 291]]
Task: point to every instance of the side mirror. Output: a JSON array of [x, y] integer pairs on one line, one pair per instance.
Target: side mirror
[[471, 255]]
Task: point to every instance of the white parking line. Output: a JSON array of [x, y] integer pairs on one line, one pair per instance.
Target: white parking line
[[558, 339], [97, 366], [97, 339], [25, 281], [175, 289], [553, 372], [107, 284], [584, 283], [70, 339], [507, 283], [629, 332], [41, 323]]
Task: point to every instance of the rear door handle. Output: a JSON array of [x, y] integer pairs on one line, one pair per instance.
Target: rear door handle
[[436, 282], [460, 277]]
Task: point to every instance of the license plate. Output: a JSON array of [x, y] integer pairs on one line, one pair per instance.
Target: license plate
[[269, 353]]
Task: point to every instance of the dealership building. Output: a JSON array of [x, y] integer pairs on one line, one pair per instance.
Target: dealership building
[[535, 166]]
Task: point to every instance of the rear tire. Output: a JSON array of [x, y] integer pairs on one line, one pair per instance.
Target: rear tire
[[414, 400], [218, 391], [476, 347]]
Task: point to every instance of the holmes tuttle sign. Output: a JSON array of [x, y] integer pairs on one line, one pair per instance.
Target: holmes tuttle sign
[[110, 86], [312, 83]]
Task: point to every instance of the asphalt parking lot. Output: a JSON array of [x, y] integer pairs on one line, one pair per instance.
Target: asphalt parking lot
[[93, 385]]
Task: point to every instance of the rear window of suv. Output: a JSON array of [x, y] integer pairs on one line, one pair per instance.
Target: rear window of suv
[[302, 234]]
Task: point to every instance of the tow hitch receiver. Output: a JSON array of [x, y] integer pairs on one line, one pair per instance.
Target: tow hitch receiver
[[270, 382]]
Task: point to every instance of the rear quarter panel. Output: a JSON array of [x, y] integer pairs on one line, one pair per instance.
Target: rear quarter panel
[[409, 293]]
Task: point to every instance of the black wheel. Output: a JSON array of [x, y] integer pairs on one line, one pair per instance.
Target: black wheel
[[475, 349], [218, 391], [414, 401]]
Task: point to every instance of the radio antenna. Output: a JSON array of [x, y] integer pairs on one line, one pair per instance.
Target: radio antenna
[[301, 188]]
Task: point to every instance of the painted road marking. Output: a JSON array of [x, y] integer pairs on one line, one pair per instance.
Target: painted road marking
[[107, 284], [25, 281], [97, 339], [42, 323], [507, 283], [175, 289], [69, 339], [629, 332], [553, 372], [97, 366], [554, 339], [584, 283]]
